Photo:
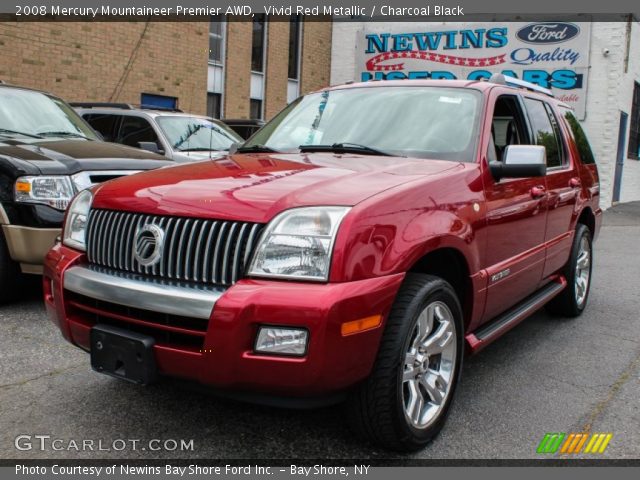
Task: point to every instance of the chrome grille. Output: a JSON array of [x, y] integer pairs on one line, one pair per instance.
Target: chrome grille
[[195, 250]]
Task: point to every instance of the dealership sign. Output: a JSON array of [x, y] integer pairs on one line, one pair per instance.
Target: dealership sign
[[553, 55]]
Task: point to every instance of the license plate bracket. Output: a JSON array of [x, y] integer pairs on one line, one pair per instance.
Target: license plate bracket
[[123, 354]]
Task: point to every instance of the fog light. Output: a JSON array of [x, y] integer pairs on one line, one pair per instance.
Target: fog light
[[282, 341]]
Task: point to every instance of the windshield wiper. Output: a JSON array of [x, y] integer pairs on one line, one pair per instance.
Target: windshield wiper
[[256, 149], [345, 147], [64, 134], [15, 132], [197, 149]]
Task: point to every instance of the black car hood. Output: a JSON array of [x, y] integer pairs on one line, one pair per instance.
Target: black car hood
[[66, 157]]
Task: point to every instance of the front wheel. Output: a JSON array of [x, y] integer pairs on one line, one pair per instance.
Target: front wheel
[[573, 299], [405, 401]]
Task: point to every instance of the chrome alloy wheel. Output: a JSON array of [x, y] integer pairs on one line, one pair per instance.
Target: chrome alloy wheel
[[583, 271], [429, 365]]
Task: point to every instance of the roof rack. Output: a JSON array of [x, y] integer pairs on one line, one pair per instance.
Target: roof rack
[[502, 79], [162, 109], [122, 106]]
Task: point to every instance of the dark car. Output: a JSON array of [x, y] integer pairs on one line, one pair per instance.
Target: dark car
[[47, 155]]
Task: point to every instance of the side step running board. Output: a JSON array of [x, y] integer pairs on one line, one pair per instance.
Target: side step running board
[[495, 328]]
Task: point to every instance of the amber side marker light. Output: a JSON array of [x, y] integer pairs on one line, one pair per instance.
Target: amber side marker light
[[362, 325], [23, 187]]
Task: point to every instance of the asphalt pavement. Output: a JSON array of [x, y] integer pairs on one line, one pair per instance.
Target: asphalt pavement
[[546, 375]]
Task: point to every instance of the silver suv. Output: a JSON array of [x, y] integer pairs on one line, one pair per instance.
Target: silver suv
[[179, 136]]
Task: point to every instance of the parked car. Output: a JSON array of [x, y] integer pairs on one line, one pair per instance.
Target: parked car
[[178, 136], [243, 126], [354, 248], [47, 155]]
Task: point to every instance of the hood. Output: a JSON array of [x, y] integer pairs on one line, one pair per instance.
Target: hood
[[66, 157], [255, 187]]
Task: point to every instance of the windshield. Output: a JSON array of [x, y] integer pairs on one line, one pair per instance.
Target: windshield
[[33, 114], [423, 122], [196, 134]]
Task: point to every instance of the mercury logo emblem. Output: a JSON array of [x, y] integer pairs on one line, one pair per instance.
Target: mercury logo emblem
[[148, 245]]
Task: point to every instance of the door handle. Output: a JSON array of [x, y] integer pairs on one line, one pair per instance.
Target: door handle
[[538, 191], [575, 182]]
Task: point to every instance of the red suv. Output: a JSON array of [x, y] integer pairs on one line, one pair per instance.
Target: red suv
[[354, 248]]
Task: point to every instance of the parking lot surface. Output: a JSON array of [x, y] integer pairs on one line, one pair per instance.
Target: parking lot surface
[[546, 375]]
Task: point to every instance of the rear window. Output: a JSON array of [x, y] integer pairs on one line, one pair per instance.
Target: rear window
[[579, 137]]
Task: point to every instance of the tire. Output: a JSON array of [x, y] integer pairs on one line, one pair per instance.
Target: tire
[[573, 299], [378, 408], [10, 274]]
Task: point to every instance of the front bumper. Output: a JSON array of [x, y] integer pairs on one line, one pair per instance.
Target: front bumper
[[218, 350]]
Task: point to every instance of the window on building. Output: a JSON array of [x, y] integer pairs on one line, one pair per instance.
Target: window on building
[[255, 109], [258, 43], [294, 47], [216, 38], [634, 127], [214, 105], [544, 131]]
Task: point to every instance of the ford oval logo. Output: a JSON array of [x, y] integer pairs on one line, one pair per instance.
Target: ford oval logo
[[548, 32]]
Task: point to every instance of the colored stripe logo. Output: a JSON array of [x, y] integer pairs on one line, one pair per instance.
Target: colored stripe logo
[[573, 443]]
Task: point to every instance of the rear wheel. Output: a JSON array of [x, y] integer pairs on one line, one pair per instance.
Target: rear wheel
[[405, 401], [573, 299], [9, 273]]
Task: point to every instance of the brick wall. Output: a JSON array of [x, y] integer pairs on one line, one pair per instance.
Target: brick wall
[[277, 66], [108, 61], [316, 56], [237, 74], [610, 92]]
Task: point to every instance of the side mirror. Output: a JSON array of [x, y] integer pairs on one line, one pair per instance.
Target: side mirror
[[150, 147], [234, 147], [520, 161]]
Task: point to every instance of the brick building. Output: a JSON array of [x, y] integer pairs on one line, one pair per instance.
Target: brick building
[[224, 67]]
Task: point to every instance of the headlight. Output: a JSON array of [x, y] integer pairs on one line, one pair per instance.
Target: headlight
[[298, 244], [75, 226], [55, 191]]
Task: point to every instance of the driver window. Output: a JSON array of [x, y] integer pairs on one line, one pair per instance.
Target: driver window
[[507, 126]]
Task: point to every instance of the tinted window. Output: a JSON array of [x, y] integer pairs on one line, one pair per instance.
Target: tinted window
[[216, 33], [294, 46], [634, 126], [544, 132], [255, 109], [106, 124], [135, 130], [584, 149], [214, 104], [257, 43]]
